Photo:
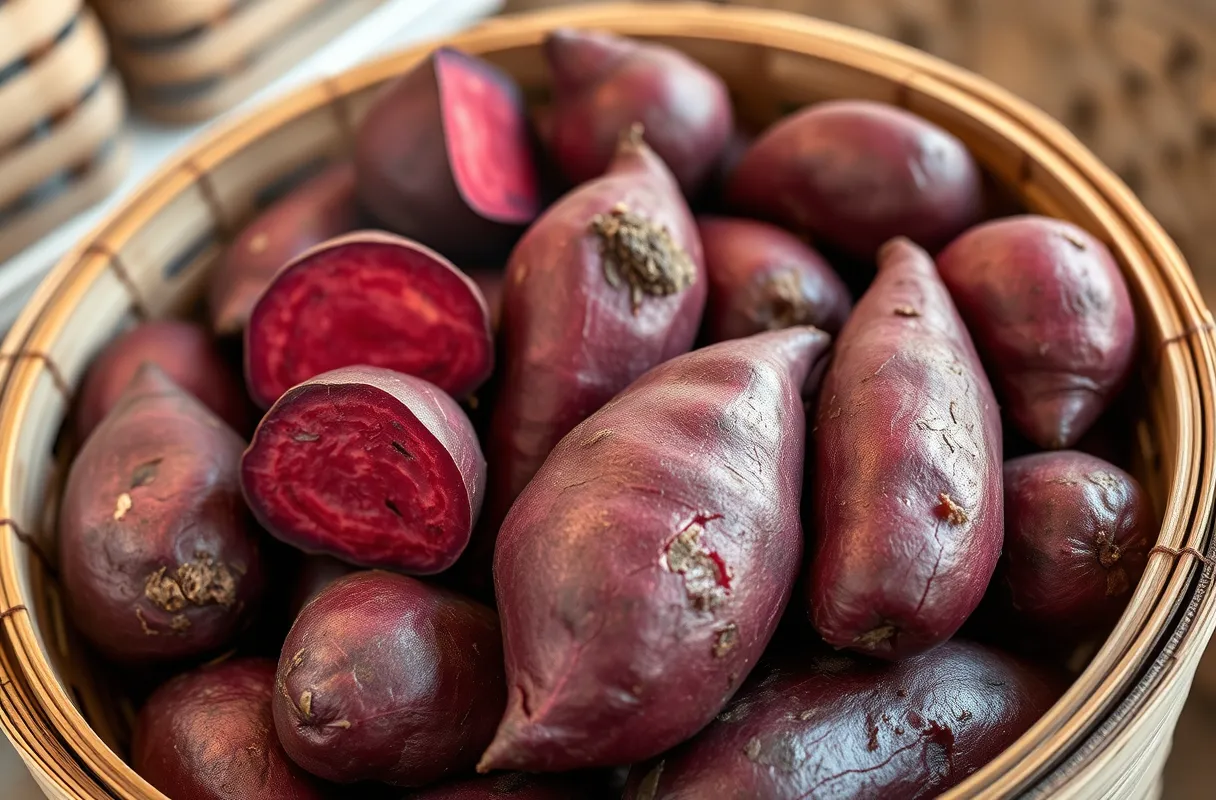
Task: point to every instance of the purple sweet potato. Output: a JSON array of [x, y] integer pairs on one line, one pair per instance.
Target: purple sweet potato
[[444, 156], [158, 556], [368, 298], [186, 354], [907, 499], [841, 727], [313, 575], [1077, 534], [209, 735], [510, 785], [603, 84], [762, 278], [609, 282], [372, 466], [1051, 317], [321, 208], [855, 173], [642, 572], [386, 678]]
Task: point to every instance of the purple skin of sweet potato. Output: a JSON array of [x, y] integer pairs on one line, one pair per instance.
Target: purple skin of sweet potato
[[839, 726], [582, 317], [1077, 534], [158, 555], [184, 351], [603, 84], [368, 298], [321, 208], [763, 278], [368, 465], [908, 445], [1052, 318], [510, 785], [209, 735], [855, 173], [444, 156], [492, 283], [386, 678], [642, 572]]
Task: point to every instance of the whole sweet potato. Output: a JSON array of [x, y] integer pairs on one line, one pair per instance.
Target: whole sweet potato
[[386, 678], [444, 156], [603, 84], [208, 735], [369, 465], [1077, 534], [511, 785], [319, 209], [1051, 317], [187, 355], [368, 298], [907, 499], [762, 278], [158, 554], [844, 727], [642, 572], [609, 282], [855, 173]]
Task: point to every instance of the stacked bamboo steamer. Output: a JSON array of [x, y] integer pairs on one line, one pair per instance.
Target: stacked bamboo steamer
[[189, 61], [61, 114], [1107, 737]]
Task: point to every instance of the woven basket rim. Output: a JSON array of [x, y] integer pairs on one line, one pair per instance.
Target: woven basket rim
[[1183, 607]]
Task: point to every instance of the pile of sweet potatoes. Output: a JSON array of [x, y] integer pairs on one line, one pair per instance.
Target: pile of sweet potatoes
[[620, 461]]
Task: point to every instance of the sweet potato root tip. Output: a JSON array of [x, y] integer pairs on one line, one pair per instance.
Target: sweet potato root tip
[[641, 255], [388, 302], [406, 500]]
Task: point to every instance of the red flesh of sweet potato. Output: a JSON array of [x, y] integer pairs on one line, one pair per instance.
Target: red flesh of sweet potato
[[209, 735], [608, 283], [642, 572], [839, 726], [908, 505], [368, 298], [386, 678], [762, 278], [158, 554], [1077, 534], [603, 84], [186, 354], [321, 208], [1051, 317], [444, 157], [368, 465], [855, 173]]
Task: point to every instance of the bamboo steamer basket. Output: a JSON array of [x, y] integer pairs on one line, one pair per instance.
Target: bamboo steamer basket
[[1107, 737], [187, 62], [61, 114]]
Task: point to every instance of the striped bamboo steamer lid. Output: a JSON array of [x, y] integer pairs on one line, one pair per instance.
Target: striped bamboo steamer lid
[[61, 114], [1107, 737], [186, 62]]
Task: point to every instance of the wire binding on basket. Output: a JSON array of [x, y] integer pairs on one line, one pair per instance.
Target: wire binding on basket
[[33, 544], [210, 197], [54, 371], [1177, 552], [340, 103], [8, 612], [138, 306]]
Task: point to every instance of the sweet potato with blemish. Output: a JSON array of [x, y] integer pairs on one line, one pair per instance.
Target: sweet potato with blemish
[[444, 156], [386, 678], [158, 554], [856, 173], [368, 298], [762, 278], [603, 84], [907, 500], [368, 465], [1077, 534], [1051, 317], [184, 351], [642, 572], [507, 786], [321, 208], [208, 734], [844, 727], [609, 282]]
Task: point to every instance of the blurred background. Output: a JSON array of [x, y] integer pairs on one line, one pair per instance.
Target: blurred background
[[95, 95]]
